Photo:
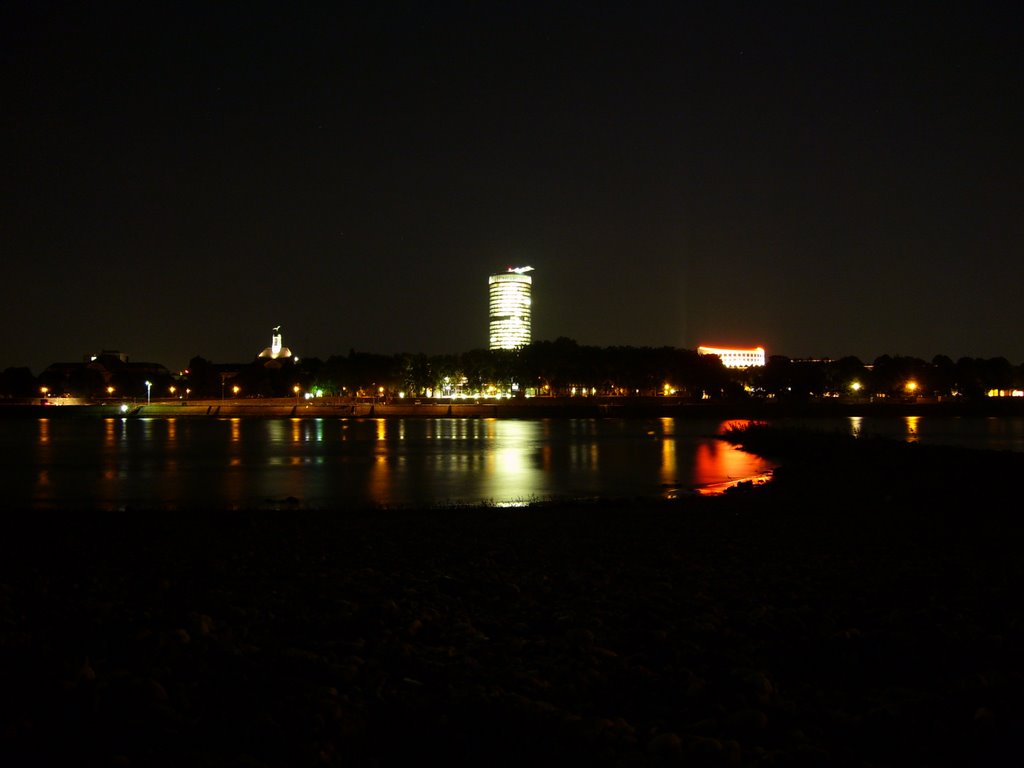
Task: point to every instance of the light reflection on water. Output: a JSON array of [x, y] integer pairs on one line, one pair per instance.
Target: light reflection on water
[[140, 463], [998, 433], [151, 462], [912, 423]]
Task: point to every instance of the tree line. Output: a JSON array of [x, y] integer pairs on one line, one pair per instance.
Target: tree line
[[559, 368]]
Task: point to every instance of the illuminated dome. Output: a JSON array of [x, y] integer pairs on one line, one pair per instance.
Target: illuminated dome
[[276, 351]]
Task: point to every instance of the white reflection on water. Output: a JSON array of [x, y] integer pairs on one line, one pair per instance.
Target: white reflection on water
[[276, 431], [856, 425], [511, 473]]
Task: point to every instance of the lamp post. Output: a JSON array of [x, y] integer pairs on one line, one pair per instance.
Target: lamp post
[[149, 387]]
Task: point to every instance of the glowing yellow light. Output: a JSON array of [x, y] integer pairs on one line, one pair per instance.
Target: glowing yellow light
[[295, 389], [236, 389], [911, 386], [855, 386], [172, 389], [44, 390]]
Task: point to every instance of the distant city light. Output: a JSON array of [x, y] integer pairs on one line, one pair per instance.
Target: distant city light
[[277, 350], [736, 358]]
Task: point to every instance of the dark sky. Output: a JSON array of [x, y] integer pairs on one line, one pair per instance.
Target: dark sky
[[825, 179]]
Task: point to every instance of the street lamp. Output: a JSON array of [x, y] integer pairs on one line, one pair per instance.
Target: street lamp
[[295, 389], [235, 389], [149, 387]]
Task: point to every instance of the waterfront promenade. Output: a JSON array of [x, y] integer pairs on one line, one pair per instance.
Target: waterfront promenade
[[541, 407]]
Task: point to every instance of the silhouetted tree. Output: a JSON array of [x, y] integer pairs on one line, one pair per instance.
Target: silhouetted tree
[[18, 382]]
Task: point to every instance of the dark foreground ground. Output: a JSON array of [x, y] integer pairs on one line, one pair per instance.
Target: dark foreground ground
[[863, 609]]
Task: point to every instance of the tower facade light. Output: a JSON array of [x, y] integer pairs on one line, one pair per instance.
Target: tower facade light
[[510, 308]]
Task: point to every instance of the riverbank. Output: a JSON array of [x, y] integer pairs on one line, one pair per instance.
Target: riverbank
[[862, 609]]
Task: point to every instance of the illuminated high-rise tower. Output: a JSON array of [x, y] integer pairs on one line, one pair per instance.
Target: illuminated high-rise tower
[[510, 308]]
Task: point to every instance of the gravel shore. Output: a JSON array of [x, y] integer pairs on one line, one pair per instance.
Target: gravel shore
[[862, 609]]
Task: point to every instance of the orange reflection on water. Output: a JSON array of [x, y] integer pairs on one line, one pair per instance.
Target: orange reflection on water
[[668, 451], [912, 422], [236, 429], [720, 465], [43, 478], [380, 479]]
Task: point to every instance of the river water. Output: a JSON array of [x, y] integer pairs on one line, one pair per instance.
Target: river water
[[169, 463]]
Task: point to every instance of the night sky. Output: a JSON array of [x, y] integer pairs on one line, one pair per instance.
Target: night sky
[[822, 179]]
